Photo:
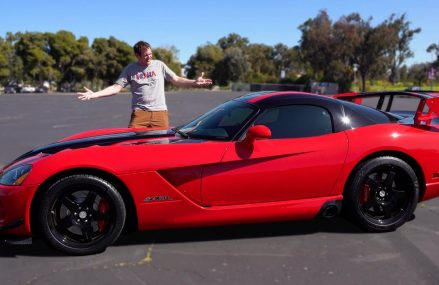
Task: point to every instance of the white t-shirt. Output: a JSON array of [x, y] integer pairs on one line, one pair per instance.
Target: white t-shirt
[[147, 84]]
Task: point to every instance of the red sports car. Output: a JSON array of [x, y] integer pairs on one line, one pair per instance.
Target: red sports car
[[265, 156]]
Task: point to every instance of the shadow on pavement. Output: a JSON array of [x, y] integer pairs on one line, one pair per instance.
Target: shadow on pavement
[[247, 231]]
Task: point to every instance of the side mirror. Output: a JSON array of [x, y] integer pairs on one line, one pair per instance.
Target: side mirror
[[257, 132]]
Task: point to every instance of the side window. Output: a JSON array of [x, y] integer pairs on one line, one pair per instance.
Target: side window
[[296, 121]]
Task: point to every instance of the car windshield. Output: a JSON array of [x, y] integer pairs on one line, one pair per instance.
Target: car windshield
[[220, 123]]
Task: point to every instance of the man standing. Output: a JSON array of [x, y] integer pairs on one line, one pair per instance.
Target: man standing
[[147, 79]]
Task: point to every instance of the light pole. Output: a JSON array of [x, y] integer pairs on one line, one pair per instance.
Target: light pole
[[355, 67], [431, 76]]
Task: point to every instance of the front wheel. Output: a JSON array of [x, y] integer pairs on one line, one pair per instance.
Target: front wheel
[[81, 214], [383, 194]]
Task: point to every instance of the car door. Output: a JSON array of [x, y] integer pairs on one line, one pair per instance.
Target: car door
[[302, 160]]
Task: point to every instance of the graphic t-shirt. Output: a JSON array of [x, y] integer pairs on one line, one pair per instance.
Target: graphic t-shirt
[[147, 84]]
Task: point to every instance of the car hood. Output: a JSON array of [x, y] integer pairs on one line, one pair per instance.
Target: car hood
[[133, 136]]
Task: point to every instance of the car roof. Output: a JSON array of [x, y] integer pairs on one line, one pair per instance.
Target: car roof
[[260, 97]]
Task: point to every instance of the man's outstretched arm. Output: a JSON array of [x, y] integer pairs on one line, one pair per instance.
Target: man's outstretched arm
[[109, 91], [184, 82]]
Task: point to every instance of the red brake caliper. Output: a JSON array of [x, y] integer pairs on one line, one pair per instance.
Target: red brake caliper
[[103, 209], [365, 194]]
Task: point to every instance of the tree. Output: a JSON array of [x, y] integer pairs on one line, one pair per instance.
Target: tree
[[15, 63], [38, 65], [347, 37], [418, 73], [289, 60], [316, 44], [72, 56], [233, 40], [84, 65], [262, 68], [4, 63], [329, 49], [205, 60], [111, 56], [233, 66], [434, 48], [400, 37], [169, 57], [371, 52]]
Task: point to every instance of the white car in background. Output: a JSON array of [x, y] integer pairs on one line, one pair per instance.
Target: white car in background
[[27, 89]]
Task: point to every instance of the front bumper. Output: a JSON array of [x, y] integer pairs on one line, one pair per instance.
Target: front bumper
[[14, 209]]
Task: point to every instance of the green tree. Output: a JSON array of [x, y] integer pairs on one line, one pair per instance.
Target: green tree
[[418, 73], [287, 60], [73, 57], [111, 56], [4, 63], [38, 65], [84, 65], [370, 54], [400, 37], [434, 49], [262, 68], [233, 40], [347, 37], [233, 66], [169, 57], [316, 44], [205, 60]]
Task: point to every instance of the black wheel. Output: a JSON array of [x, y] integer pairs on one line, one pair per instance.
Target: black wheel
[[81, 214], [383, 194]]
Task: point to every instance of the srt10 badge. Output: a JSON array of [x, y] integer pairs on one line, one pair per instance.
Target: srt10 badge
[[157, 198]]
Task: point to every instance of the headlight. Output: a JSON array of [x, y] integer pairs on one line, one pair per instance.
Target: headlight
[[15, 176]]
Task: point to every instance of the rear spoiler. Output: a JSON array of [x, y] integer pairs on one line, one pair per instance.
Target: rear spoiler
[[422, 116]]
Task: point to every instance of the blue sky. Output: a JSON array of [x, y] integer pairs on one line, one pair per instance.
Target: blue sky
[[188, 24]]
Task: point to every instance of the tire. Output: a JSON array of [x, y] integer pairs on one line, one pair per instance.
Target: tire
[[383, 194], [81, 214]]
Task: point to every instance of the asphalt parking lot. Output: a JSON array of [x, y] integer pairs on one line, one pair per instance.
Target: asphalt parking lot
[[303, 252]]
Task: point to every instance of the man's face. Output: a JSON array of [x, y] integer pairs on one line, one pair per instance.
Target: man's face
[[145, 56]]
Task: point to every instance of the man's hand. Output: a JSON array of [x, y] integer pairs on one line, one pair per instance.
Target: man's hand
[[202, 82], [85, 95]]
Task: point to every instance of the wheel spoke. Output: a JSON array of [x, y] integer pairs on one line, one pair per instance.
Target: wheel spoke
[[390, 179], [87, 232], [372, 203], [373, 183], [70, 203], [65, 223], [90, 199], [379, 176]]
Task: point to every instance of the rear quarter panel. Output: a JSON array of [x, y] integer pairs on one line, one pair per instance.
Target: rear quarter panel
[[420, 143]]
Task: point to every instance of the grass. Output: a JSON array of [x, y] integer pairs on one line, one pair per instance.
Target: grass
[[385, 85]]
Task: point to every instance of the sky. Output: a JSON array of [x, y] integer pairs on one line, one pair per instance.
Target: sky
[[189, 24]]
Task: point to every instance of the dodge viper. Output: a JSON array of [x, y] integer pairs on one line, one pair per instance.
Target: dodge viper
[[266, 156]]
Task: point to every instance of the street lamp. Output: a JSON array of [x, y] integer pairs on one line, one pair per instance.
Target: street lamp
[[355, 67]]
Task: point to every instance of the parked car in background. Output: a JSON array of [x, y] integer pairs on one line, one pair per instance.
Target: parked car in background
[[27, 89], [11, 89], [41, 89]]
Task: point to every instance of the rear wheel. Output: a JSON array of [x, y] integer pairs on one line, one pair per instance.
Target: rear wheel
[[81, 214], [383, 194]]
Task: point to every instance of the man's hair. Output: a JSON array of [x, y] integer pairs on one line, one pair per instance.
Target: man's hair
[[138, 47]]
